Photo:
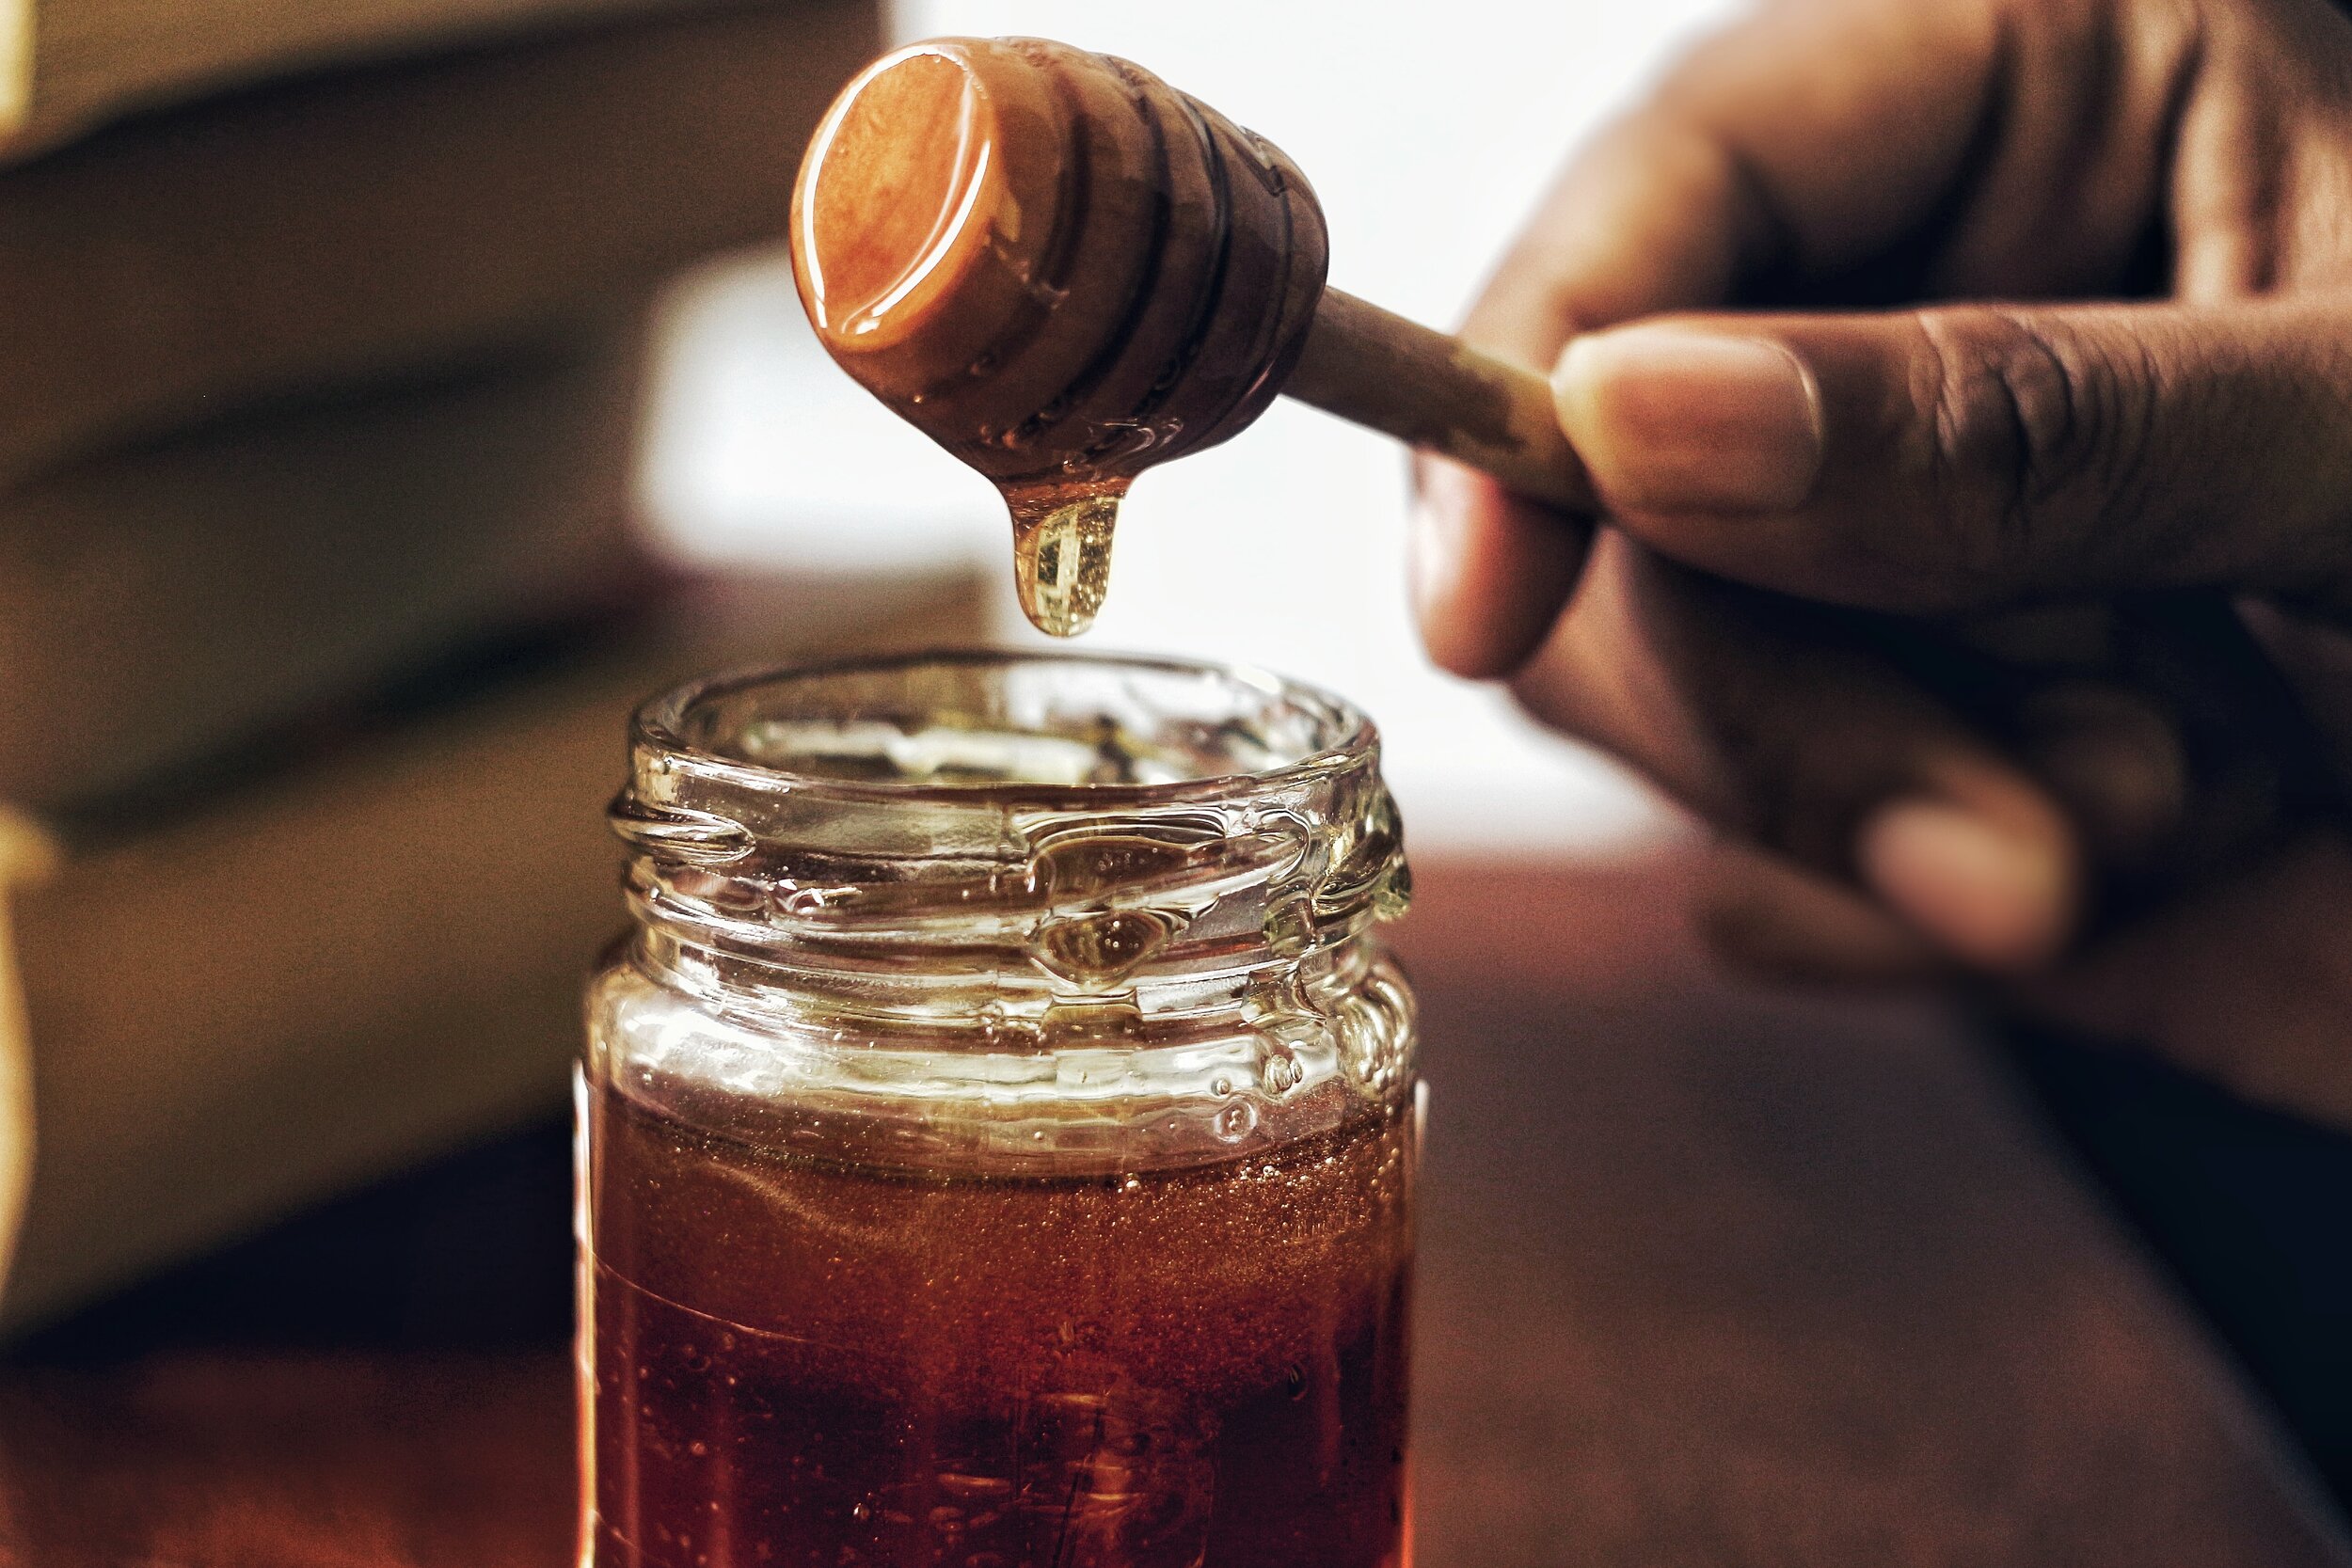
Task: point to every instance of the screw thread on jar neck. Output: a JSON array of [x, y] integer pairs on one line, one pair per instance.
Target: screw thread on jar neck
[[1049, 843], [994, 911]]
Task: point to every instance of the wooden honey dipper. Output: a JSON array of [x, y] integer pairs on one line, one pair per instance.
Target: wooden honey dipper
[[1065, 272]]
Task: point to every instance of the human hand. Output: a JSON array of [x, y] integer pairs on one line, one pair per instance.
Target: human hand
[[2004, 636]]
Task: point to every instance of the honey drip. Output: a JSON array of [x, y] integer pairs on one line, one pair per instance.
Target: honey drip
[[1061, 552]]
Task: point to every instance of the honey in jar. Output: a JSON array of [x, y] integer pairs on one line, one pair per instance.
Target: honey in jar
[[999, 1130]]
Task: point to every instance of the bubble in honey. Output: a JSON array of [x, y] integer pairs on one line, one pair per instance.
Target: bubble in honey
[[1235, 1122], [1061, 554]]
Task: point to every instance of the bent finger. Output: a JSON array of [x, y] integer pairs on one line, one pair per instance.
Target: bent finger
[[1733, 162], [1760, 915], [1775, 724]]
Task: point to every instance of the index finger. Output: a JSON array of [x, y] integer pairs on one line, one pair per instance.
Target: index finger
[[1799, 141], [1795, 138]]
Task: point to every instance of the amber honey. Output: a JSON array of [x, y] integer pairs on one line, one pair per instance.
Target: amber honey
[[811, 1362]]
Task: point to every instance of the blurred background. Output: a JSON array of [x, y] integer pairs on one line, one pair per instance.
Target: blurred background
[[1428, 144]]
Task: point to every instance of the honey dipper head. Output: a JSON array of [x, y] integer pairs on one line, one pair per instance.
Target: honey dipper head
[[1056, 266], [903, 188]]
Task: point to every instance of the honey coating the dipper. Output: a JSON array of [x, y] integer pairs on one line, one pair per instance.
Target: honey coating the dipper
[[1061, 270]]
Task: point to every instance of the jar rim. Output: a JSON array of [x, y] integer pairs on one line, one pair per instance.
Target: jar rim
[[1345, 735], [882, 830]]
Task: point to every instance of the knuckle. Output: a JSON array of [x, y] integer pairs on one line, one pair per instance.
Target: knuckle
[[2033, 436]]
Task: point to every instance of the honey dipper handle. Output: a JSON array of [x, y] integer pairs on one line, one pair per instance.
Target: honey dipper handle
[[1439, 394]]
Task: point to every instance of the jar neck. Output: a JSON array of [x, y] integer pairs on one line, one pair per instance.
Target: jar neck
[[1006, 911], [938, 840], [1138, 919], [1121, 1082]]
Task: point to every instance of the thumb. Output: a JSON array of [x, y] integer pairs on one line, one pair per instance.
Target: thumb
[[1971, 456]]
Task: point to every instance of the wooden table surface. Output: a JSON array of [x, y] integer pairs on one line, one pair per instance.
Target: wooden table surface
[[1708, 1278]]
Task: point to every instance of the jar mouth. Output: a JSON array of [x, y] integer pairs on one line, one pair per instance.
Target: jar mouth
[[984, 727], [936, 834]]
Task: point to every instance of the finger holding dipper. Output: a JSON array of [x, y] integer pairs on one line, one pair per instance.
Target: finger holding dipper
[[1064, 271]]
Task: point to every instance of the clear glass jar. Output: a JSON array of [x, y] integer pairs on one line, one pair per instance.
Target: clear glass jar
[[999, 1130]]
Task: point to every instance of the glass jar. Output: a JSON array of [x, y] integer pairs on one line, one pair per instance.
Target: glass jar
[[999, 1130]]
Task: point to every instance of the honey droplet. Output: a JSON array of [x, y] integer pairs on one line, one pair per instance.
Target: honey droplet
[[1062, 557]]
